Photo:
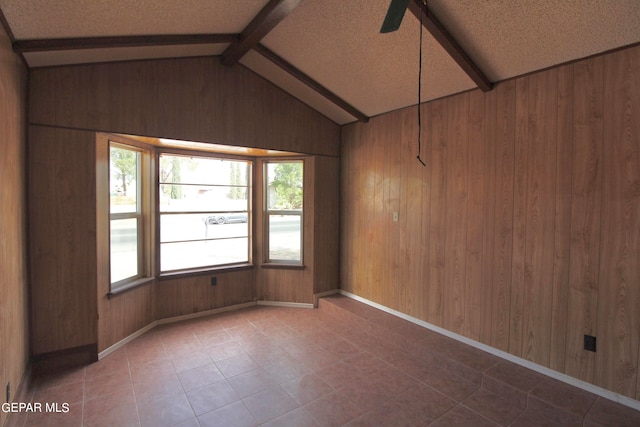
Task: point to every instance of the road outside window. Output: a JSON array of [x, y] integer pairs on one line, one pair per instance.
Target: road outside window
[[284, 189], [204, 212]]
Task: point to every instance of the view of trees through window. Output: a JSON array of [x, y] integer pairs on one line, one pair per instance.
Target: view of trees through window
[[125, 213], [284, 190], [287, 184], [203, 213]]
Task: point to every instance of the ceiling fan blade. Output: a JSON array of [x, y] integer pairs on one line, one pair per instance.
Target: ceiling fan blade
[[396, 11]]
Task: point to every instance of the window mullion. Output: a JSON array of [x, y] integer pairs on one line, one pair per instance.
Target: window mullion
[[204, 212]]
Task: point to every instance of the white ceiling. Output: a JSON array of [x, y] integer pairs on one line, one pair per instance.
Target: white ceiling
[[337, 43]]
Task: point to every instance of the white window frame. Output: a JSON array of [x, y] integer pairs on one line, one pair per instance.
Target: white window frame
[[269, 212], [141, 215]]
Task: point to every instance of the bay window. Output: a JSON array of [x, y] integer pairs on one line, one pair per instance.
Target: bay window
[[172, 210]]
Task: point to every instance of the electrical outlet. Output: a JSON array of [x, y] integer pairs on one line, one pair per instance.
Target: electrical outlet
[[590, 343], [214, 281], [8, 394]]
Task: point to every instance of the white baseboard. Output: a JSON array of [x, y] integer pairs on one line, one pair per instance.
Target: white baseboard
[[624, 400], [174, 319], [286, 304], [104, 353], [204, 313]]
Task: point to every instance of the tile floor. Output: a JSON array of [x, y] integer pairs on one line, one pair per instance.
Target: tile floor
[[342, 364]]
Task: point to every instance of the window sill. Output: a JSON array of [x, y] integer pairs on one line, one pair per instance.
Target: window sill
[[130, 286], [204, 272], [283, 266]]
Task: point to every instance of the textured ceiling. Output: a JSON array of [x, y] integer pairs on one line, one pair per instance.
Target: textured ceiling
[[337, 43], [34, 19], [508, 38]]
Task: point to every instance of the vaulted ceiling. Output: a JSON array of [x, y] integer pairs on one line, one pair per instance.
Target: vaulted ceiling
[[330, 53]]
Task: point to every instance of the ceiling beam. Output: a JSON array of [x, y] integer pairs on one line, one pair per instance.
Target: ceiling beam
[[266, 20], [304, 78], [450, 45], [43, 45]]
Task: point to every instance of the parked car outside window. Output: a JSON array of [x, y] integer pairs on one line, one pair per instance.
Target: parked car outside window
[[226, 218]]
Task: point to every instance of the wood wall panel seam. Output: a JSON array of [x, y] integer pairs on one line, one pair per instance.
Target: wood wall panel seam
[[564, 166]]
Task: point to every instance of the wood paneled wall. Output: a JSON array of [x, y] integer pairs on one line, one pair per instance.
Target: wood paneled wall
[[326, 221], [523, 230], [62, 228], [124, 314], [196, 99], [193, 99], [14, 324], [178, 297]]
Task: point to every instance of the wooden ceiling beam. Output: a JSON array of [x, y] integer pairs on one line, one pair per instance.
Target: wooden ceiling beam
[[265, 21], [43, 45], [304, 78], [450, 45]]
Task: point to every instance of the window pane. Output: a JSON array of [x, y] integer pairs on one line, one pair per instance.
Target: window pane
[[124, 249], [204, 206], [180, 227], [197, 198], [124, 166], [203, 170], [178, 256], [284, 185], [284, 237]]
